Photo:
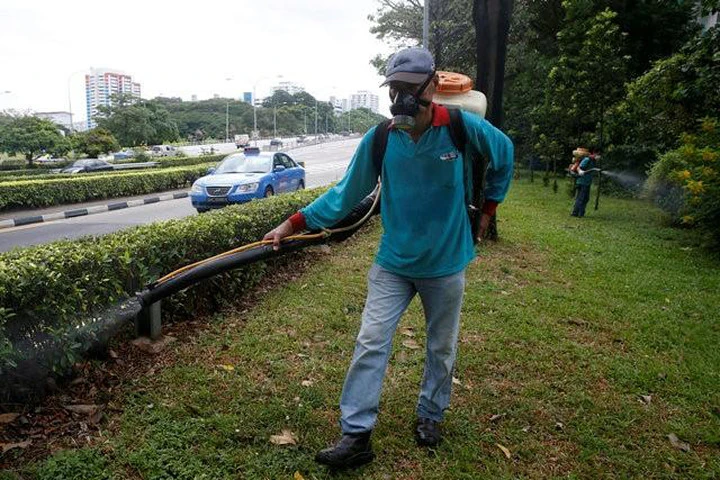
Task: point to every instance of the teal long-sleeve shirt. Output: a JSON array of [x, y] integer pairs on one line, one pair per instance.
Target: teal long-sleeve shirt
[[426, 232]]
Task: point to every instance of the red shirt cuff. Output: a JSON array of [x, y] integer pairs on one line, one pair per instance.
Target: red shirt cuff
[[298, 222], [489, 207]]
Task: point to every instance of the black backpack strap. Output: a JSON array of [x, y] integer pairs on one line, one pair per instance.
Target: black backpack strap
[[474, 171], [379, 144], [457, 130]]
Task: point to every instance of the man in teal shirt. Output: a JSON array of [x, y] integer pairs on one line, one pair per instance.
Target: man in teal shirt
[[585, 172], [424, 249]]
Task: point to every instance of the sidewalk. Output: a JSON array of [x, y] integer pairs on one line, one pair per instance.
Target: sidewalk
[[22, 217]]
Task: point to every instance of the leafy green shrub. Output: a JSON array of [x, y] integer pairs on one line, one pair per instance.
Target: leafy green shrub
[[10, 166], [181, 161], [42, 193], [661, 104], [83, 464], [48, 292], [685, 182], [176, 161]]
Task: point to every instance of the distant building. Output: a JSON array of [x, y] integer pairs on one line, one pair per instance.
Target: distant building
[[340, 105], [101, 84], [365, 99], [247, 97], [193, 98], [63, 119], [289, 87], [216, 95]]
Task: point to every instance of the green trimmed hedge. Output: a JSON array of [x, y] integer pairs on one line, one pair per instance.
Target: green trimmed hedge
[[20, 165], [183, 161], [172, 161], [42, 193], [48, 292]]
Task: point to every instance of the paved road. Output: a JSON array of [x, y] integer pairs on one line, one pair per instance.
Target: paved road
[[324, 163]]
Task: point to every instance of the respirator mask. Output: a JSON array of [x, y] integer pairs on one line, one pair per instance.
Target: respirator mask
[[406, 104]]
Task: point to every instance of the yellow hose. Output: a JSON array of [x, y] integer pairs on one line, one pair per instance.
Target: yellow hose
[[306, 236]]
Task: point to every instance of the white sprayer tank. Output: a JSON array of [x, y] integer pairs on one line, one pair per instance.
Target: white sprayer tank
[[455, 91]]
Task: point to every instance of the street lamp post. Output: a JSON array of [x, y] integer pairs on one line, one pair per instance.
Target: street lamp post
[[72, 126], [274, 119], [254, 100]]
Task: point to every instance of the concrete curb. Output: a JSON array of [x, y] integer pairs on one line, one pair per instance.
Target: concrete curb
[[79, 212]]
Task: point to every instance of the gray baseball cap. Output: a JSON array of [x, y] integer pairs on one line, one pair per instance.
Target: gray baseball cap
[[412, 65]]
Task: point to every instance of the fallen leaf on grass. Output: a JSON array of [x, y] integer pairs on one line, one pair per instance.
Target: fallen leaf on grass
[[646, 399], [559, 426], [9, 446], [306, 383], [504, 450], [497, 417], [286, 437], [227, 368], [679, 444], [298, 476], [8, 417], [411, 344], [456, 381], [82, 409], [407, 331]]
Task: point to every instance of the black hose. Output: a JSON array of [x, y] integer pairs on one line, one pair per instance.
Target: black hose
[[154, 292]]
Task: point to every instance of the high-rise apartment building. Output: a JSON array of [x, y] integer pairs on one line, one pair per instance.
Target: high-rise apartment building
[[101, 84], [289, 87], [365, 99]]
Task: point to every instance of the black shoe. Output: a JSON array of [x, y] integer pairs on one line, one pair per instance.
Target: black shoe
[[427, 432], [353, 450]]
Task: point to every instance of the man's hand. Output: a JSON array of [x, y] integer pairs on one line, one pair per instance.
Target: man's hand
[[283, 230], [484, 223]]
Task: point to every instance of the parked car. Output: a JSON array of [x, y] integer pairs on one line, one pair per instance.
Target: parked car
[[124, 154], [276, 142], [242, 140], [87, 166], [242, 177], [163, 151]]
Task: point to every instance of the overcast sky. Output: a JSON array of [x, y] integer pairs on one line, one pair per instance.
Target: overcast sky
[[184, 48]]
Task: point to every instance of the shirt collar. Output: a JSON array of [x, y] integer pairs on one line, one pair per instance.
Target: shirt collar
[[441, 116]]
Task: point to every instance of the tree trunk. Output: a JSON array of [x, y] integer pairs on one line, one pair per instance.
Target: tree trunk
[[492, 25]]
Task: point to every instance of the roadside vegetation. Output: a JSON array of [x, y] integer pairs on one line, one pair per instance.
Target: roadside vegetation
[[588, 349]]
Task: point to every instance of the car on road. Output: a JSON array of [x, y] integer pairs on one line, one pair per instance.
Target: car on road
[[88, 165], [124, 154], [276, 142], [241, 177], [163, 151]]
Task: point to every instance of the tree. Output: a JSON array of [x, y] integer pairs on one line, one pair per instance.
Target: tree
[[678, 91], [451, 36], [359, 120], [32, 136], [94, 142], [492, 25], [134, 121], [587, 76]]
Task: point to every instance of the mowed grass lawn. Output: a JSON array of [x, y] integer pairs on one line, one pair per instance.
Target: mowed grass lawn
[[585, 343]]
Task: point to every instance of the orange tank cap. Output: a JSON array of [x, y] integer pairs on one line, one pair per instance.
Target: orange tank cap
[[451, 82]]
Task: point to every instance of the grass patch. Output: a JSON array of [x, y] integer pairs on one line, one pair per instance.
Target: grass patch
[[566, 323]]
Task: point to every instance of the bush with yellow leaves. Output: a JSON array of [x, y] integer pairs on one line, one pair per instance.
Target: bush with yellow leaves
[[685, 182]]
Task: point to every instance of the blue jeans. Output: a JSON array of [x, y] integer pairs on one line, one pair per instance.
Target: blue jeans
[[581, 200], [388, 297]]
